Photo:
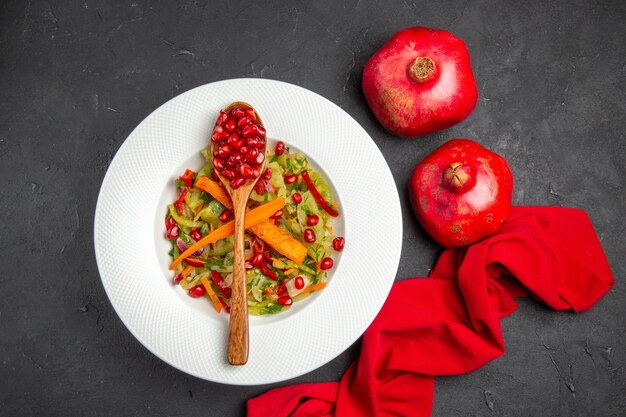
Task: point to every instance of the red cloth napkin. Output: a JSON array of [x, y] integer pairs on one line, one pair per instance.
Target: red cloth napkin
[[449, 323]]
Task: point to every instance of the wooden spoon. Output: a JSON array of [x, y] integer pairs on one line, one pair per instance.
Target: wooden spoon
[[238, 326]]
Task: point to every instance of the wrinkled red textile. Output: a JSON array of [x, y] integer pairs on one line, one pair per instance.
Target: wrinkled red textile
[[449, 323]]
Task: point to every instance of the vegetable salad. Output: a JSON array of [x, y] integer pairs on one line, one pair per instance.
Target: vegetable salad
[[289, 239]]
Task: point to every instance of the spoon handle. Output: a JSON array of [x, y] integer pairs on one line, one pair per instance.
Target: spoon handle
[[238, 331]]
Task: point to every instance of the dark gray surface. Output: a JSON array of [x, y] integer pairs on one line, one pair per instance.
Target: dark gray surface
[[77, 77]]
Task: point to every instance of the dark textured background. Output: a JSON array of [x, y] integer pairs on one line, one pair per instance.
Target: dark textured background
[[76, 78]]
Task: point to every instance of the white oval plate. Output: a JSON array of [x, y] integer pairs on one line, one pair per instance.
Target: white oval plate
[[187, 333]]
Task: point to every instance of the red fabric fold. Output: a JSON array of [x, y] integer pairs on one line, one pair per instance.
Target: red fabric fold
[[449, 323]]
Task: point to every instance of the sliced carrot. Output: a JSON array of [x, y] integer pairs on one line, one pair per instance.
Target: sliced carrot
[[216, 190], [253, 217], [314, 287], [212, 295], [282, 241], [276, 237], [186, 271]]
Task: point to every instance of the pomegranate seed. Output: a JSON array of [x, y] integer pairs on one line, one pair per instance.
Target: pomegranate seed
[[197, 291], [252, 154], [229, 174], [173, 233], [225, 150], [219, 153], [178, 278], [326, 263], [297, 198], [248, 265], [238, 143], [260, 143], [281, 289], [259, 188], [257, 259], [252, 142], [195, 235], [261, 130], [244, 150], [244, 170], [217, 133], [256, 173], [258, 160], [230, 163], [298, 282], [222, 118], [280, 148], [225, 216], [251, 114], [309, 235], [338, 243], [267, 174], [237, 157], [312, 219], [249, 131], [277, 214], [218, 163], [230, 124], [169, 223], [285, 300], [237, 182], [232, 138], [290, 179], [237, 112], [214, 176], [243, 121]]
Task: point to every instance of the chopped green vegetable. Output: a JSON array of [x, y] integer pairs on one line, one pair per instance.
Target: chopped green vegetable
[[206, 170], [206, 153], [317, 252], [182, 221], [296, 163], [185, 238], [195, 200], [211, 212]]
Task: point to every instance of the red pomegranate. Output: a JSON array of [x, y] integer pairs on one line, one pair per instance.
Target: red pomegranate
[[420, 81], [461, 193]]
